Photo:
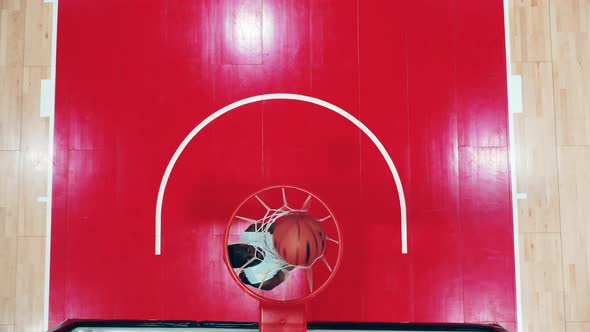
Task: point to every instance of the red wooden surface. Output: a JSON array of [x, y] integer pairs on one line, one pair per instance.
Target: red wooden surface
[[427, 77]]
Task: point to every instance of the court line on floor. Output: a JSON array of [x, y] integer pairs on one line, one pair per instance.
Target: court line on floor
[[48, 107], [514, 90], [280, 96]]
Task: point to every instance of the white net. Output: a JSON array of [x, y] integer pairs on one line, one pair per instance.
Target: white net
[[258, 235]]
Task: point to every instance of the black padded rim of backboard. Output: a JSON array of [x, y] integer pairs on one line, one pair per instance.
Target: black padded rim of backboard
[[70, 325]]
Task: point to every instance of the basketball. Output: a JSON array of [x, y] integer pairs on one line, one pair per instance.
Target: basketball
[[299, 239]]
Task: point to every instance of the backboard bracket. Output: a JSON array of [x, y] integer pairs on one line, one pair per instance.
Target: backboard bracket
[[283, 317]]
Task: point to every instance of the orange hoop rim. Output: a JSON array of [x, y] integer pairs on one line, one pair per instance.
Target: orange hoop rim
[[259, 297]]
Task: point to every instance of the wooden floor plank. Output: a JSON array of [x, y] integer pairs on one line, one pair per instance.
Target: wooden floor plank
[[578, 327], [34, 157], [12, 32], [574, 191], [30, 284], [38, 33], [571, 68], [530, 30], [10, 104], [542, 282], [536, 156], [9, 165]]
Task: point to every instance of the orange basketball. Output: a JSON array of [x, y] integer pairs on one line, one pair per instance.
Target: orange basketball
[[299, 239]]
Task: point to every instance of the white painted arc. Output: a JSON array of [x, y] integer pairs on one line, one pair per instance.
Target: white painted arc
[[281, 96]]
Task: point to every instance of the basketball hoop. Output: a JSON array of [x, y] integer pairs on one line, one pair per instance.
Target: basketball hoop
[[254, 220]]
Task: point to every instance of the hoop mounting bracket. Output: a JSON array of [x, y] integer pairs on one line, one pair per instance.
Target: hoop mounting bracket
[[283, 317]]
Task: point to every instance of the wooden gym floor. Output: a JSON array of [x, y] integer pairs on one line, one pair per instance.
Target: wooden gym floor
[[550, 49]]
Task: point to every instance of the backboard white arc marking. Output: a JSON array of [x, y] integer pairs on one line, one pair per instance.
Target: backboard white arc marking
[[281, 96]]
